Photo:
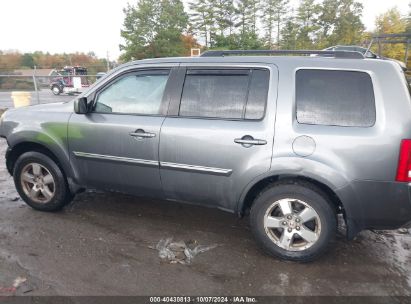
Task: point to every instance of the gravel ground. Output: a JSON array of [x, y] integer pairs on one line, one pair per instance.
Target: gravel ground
[[101, 244]]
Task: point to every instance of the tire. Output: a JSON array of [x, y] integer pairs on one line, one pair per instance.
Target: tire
[[312, 214], [56, 90], [40, 182]]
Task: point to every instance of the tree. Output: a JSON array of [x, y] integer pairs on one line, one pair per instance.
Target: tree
[[138, 32], [172, 21], [10, 60], [153, 29], [225, 24], [247, 11], [27, 61], [203, 19], [247, 15], [348, 25], [189, 42], [326, 21], [409, 19], [289, 35], [391, 22], [272, 19], [15, 60], [280, 11], [225, 16], [306, 18], [268, 21]]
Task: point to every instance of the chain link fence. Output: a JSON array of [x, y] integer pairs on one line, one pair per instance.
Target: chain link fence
[[38, 89]]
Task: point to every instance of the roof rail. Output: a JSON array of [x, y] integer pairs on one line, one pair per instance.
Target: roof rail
[[335, 54]]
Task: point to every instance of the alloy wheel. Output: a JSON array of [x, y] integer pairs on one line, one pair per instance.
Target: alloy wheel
[[292, 224], [38, 183]]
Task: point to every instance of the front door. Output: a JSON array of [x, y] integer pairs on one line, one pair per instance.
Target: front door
[[115, 146], [222, 136]]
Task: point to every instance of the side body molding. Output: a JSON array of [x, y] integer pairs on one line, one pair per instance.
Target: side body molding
[[145, 162]]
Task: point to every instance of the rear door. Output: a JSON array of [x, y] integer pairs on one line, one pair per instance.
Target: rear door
[[221, 134]]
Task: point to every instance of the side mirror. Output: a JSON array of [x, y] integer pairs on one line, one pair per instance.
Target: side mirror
[[99, 75], [81, 106], [370, 55]]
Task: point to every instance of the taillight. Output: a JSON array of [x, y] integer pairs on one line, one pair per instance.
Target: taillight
[[404, 163]]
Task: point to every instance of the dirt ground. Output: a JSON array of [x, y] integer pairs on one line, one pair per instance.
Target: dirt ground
[[101, 245]]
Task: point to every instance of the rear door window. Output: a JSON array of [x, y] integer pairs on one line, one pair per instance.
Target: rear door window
[[257, 95], [225, 94], [336, 98]]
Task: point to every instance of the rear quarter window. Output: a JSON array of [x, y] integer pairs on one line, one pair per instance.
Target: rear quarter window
[[335, 98]]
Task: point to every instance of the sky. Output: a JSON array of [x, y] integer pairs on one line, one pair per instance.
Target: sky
[[94, 25]]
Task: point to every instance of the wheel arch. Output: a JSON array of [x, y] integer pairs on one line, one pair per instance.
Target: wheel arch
[[20, 148], [256, 187], [345, 202]]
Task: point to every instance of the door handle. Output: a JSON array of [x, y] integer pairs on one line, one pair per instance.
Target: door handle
[[140, 134], [248, 141]]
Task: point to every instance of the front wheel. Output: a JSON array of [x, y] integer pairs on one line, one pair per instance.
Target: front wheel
[[40, 182], [293, 221]]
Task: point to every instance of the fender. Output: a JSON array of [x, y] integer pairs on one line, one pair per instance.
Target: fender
[[44, 125], [20, 126], [58, 149]]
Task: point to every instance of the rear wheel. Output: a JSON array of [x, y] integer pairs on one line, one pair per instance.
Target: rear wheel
[[40, 182], [293, 221]]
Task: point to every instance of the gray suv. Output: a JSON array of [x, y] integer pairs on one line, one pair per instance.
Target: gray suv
[[293, 141]]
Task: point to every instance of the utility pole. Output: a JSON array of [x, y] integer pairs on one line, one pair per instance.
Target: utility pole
[[379, 47], [108, 62], [35, 84]]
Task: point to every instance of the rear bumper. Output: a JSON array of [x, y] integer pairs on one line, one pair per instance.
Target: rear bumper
[[376, 205]]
